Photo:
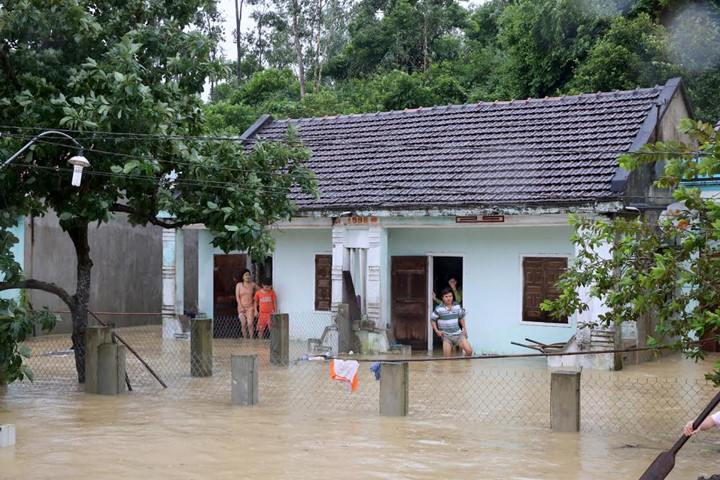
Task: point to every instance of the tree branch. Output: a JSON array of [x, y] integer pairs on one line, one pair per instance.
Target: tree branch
[[8, 67], [120, 208], [44, 286]]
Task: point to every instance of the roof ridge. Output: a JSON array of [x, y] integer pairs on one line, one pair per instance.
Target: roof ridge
[[546, 99]]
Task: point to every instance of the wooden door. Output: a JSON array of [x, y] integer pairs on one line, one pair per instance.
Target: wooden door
[[409, 301], [226, 274]]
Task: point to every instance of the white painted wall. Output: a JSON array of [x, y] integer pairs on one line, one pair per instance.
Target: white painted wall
[[492, 277]]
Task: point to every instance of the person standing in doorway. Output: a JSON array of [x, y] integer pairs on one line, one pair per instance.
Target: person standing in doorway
[[244, 292], [448, 322], [453, 284], [265, 305]]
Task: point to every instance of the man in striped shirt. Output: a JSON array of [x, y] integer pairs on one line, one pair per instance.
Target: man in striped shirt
[[448, 321]]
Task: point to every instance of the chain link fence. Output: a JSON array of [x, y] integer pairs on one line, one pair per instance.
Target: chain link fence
[[493, 391]]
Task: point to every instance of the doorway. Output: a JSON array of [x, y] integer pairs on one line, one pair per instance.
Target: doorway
[[226, 273], [442, 270]]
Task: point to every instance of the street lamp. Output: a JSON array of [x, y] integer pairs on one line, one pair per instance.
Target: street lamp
[[78, 161]]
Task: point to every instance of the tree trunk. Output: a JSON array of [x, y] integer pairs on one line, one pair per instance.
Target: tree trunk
[[318, 39], [298, 48], [79, 311], [238, 18]]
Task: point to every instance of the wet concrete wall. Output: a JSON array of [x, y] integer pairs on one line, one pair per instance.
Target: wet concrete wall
[[126, 274]]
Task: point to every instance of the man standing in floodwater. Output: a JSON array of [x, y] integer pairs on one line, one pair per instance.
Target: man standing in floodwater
[[448, 321]]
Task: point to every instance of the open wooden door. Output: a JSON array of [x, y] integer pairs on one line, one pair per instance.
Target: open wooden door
[[410, 301], [226, 273]]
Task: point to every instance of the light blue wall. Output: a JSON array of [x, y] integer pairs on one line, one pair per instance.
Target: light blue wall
[[492, 277], [294, 278], [18, 254]]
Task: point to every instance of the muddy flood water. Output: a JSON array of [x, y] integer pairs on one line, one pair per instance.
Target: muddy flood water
[[79, 436]]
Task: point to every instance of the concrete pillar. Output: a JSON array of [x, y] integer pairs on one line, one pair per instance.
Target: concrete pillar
[[179, 272], [279, 339], [171, 324], [7, 435], [565, 401], [201, 348], [345, 332], [94, 337], [394, 383], [244, 379], [340, 262], [374, 257], [111, 369]]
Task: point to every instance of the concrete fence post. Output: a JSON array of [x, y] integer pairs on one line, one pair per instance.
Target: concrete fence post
[[201, 348], [244, 379], [7, 435], [110, 369], [279, 339], [565, 401], [394, 383], [94, 337], [345, 333]]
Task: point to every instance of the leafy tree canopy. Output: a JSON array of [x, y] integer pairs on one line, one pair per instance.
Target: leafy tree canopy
[[664, 272], [124, 80]]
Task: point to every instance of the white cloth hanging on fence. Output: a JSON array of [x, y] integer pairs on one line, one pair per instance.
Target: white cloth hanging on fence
[[345, 371]]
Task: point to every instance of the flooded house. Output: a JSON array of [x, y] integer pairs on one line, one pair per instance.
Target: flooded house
[[479, 192]]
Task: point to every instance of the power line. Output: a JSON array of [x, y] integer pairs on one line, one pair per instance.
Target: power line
[[320, 178], [370, 144]]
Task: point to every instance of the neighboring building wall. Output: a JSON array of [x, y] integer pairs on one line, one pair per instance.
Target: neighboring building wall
[[17, 251], [492, 277], [190, 297], [125, 274]]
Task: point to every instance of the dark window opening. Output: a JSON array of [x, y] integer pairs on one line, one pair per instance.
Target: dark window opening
[[323, 282], [539, 277]]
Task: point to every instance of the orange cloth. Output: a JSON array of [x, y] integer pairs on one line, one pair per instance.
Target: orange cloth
[[345, 371]]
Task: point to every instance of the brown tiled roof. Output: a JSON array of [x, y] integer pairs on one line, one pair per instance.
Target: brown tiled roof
[[538, 151]]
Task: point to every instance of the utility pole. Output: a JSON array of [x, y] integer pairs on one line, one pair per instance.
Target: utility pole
[[238, 18]]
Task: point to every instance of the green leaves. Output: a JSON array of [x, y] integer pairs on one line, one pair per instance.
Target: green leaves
[[667, 272], [16, 324]]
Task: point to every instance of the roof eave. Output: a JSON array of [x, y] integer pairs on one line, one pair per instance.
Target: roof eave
[[604, 206]]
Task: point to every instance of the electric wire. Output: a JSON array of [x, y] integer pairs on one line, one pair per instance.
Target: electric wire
[[369, 144], [311, 176]]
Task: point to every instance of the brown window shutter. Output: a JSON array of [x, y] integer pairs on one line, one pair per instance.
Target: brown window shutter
[[323, 282], [539, 277]]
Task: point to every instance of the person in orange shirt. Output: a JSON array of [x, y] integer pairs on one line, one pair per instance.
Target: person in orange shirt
[[265, 304]]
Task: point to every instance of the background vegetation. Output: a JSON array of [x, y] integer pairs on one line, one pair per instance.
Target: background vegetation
[[369, 55]]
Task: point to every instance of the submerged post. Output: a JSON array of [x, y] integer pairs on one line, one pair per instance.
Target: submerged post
[[565, 401], [7, 435], [201, 347], [94, 337], [394, 382], [244, 379], [345, 333], [279, 339], [110, 369]]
